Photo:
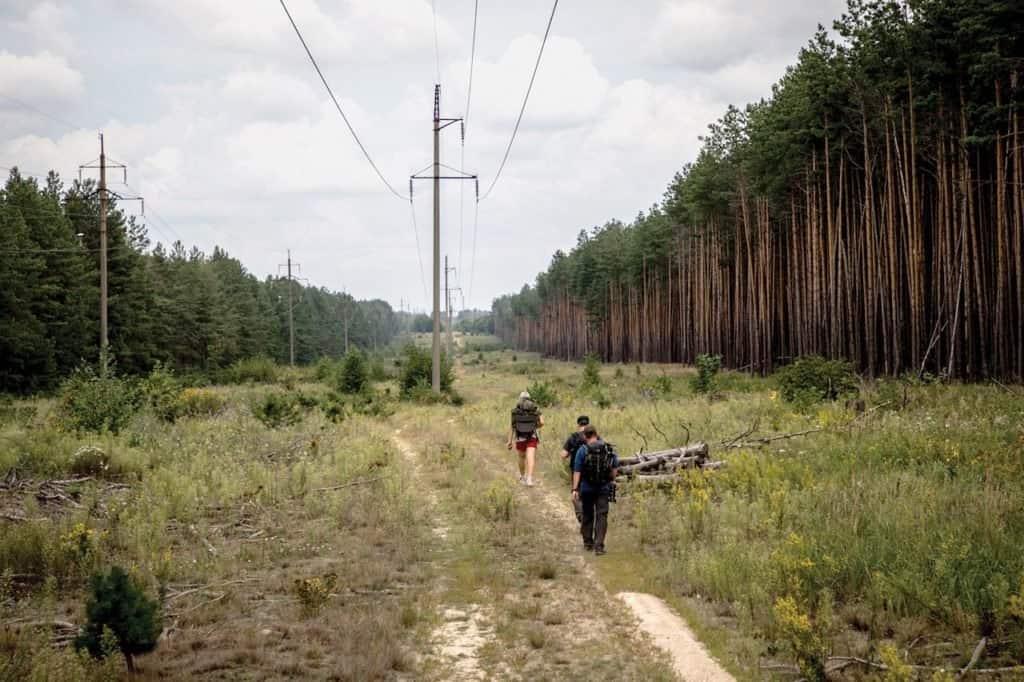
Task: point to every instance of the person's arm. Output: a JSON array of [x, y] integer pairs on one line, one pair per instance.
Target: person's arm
[[577, 464], [540, 421], [615, 467], [511, 436]]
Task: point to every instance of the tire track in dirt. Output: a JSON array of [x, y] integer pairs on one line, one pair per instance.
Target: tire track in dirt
[[464, 630], [669, 632]]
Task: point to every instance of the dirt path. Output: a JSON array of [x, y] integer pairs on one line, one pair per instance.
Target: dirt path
[[669, 632], [456, 642]]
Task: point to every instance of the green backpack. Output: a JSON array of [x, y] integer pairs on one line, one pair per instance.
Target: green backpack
[[597, 464], [526, 418]]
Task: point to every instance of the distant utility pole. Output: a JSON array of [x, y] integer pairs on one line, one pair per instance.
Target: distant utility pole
[[291, 306], [439, 125], [102, 191], [448, 305]]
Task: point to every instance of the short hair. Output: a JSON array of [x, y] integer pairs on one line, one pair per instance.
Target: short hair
[[582, 420], [590, 432]]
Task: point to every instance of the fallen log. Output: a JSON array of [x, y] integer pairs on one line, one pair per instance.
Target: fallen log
[[690, 450]]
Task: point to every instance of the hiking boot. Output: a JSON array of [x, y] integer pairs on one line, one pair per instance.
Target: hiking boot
[[522, 480], [588, 548], [529, 481], [599, 551]]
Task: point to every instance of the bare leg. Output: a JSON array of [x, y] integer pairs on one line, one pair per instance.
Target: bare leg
[[531, 455], [522, 463]]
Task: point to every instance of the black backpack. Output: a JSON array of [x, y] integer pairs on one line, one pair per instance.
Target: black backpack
[[525, 418], [597, 464]]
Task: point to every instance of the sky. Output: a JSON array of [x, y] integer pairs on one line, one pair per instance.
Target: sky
[[231, 138]]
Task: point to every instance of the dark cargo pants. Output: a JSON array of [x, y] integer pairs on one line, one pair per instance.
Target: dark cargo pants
[[595, 518]]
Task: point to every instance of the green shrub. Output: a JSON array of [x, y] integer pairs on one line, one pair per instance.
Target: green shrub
[[277, 409], [813, 379], [417, 367], [662, 385], [543, 394], [257, 370], [379, 371], [353, 377], [161, 389], [90, 401], [333, 406], [119, 605], [325, 371], [199, 402], [706, 380], [591, 371]]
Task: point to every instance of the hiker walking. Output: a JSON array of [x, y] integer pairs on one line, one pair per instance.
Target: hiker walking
[[572, 445], [526, 423], [593, 481]]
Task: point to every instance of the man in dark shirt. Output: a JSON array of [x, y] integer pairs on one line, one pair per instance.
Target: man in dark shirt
[[572, 444], [594, 469]]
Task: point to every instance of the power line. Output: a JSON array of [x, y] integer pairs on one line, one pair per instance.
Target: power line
[[64, 122], [416, 233], [465, 120], [74, 249], [472, 260], [337, 105], [522, 109], [472, 59]]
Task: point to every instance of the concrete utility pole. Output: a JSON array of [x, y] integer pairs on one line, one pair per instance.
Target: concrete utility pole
[[439, 125], [102, 191]]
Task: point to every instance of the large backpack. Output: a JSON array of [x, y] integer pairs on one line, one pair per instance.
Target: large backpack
[[526, 418], [597, 464]]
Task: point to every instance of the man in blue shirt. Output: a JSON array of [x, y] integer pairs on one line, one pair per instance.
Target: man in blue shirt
[[594, 469]]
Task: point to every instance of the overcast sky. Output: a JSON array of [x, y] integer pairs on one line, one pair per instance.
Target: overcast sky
[[231, 138]]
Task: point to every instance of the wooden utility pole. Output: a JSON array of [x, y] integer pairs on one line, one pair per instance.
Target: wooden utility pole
[[439, 124], [291, 306], [104, 340], [291, 314], [448, 305], [103, 193]]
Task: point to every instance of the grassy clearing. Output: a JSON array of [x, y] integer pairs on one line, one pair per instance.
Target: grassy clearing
[[225, 519], [898, 528], [317, 549]]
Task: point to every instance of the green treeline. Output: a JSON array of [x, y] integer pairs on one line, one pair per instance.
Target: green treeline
[[183, 308], [871, 209]]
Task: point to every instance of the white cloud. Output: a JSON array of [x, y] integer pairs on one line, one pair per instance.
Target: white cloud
[[702, 35], [42, 77], [46, 24]]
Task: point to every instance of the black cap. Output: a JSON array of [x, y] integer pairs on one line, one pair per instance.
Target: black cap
[[582, 420]]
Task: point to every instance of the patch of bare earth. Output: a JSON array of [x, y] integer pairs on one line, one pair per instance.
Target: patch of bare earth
[[455, 644]]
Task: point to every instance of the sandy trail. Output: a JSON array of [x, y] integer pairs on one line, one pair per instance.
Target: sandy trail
[[669, 632], [465, 630]]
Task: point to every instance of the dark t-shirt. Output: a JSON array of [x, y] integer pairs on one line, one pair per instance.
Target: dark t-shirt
[[572, 444]]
